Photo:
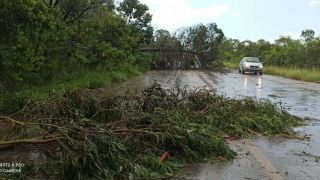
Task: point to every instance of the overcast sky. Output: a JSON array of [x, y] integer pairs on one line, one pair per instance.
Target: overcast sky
[[241, 19]]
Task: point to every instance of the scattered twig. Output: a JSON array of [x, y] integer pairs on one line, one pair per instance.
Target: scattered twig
[[253, 132], [132, 130], [290, 136], [29, 141]]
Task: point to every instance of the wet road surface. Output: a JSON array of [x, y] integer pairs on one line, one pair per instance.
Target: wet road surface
[[260, 158]]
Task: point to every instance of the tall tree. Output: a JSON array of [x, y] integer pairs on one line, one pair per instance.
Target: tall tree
[[307, 35], [137, 15]]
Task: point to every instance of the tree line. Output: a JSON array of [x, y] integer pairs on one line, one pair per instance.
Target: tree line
[[284, 51]]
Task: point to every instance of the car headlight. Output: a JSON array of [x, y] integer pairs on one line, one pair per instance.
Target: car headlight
[[246, 65], [260, 66]]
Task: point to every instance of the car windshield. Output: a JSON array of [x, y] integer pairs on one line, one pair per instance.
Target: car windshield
[[252, 59]]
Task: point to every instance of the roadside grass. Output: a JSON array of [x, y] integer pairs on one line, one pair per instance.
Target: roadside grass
[[63, 82], [311, 75], [124, 137], [231, 65]]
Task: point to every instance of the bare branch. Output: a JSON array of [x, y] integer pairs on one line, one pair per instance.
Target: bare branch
[[45, 2], [28, 141], [83, 11], [68, 13], [170, 50]]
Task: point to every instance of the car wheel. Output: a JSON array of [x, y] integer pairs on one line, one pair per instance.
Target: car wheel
[[242, 71], [239, 71], [261, 73]]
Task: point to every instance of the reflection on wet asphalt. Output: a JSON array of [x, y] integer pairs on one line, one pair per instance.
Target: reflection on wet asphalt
[[299, 98], [291, 159]]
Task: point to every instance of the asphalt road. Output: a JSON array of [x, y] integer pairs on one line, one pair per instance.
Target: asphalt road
[[260, 158]]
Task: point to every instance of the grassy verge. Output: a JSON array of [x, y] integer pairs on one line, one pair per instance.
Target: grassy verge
[[67, 82], [231, 65], [124, 137], [311, 75]]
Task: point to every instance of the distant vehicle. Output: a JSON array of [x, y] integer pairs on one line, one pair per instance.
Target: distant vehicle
[[251, 64]]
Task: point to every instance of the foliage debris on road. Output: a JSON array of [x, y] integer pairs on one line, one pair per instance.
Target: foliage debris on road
[[123, 137]]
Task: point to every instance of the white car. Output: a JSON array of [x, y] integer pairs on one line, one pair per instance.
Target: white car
[[251, 64]]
